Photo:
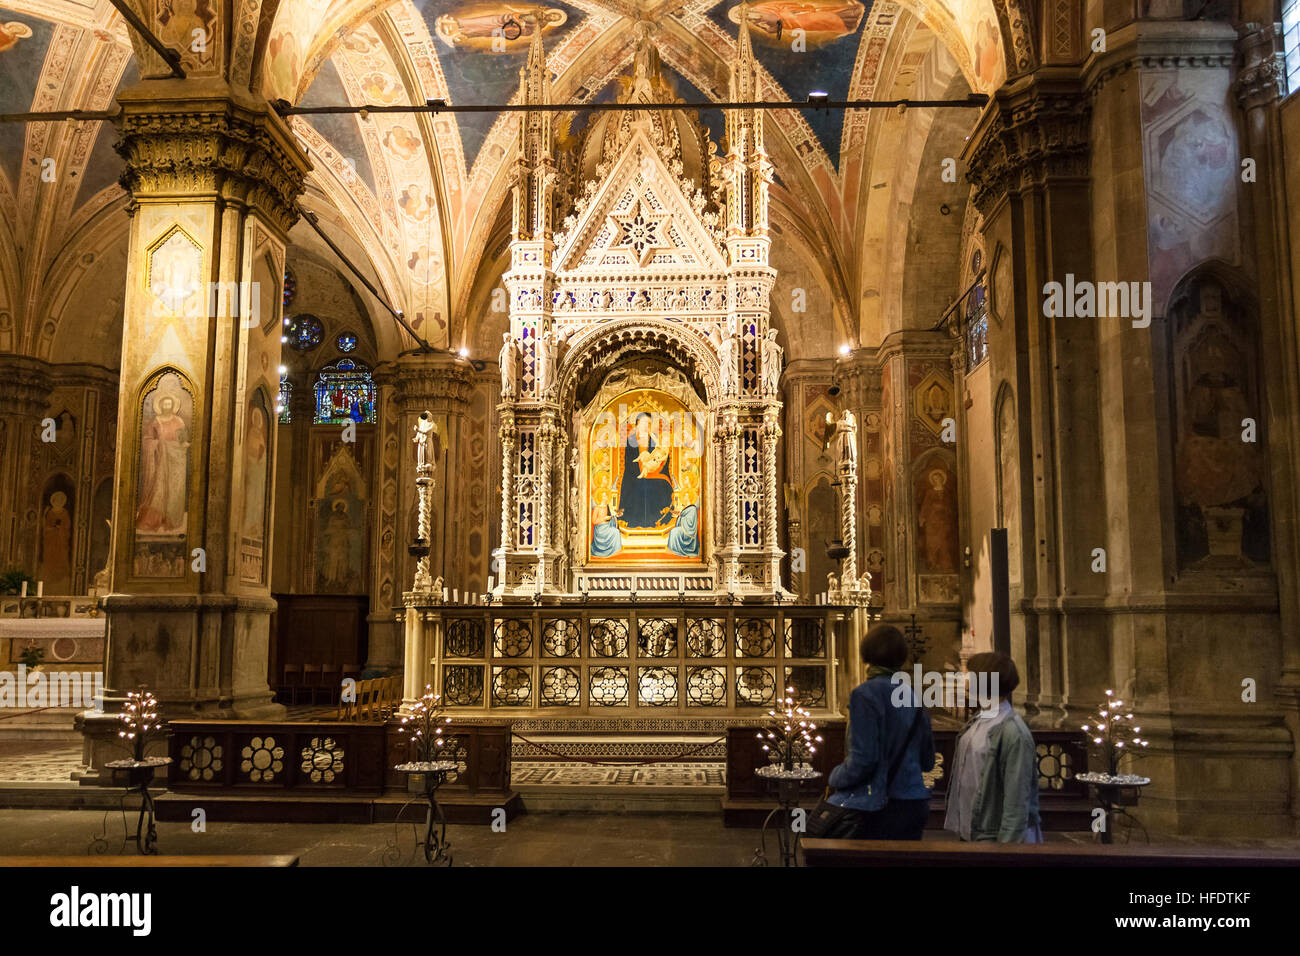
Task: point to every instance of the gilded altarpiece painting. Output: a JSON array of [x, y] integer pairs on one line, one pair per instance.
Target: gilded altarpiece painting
[[645, 480]]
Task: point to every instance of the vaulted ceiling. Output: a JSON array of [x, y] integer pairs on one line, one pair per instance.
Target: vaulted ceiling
[[420, 197]]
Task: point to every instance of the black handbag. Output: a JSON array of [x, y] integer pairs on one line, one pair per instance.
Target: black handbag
[[829, 822]]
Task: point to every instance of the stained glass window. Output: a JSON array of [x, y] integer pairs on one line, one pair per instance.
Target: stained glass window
[[290, 288], [1291, 43], [282, 403], [347, 342], [977, 317], [305, 332], [345, 393]]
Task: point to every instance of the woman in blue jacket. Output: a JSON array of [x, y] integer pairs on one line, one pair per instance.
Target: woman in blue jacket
[[889, 746]]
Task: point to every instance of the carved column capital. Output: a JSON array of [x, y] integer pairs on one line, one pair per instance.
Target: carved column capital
[[229, 147], [437, 383], [1033, 133], [1261, 79], [25, 386]]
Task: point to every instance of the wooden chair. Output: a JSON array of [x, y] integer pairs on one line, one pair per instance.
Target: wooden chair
[[348, 708], [290, 681], [393, 696], [310, 682], [331, 679], [367, 693]]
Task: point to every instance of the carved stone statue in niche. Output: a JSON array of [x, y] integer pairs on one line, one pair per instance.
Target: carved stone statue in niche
[[846, 448], [508, 359], [1222, 501], [773, 358], [548, 354], [726, 346]]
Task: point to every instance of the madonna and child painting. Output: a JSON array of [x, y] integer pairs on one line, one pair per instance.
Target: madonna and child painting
[[644, 481]]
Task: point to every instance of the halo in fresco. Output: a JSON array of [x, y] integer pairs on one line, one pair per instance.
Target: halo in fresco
[[12, 32]]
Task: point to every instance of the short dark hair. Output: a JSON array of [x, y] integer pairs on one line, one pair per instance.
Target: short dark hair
[[995, 662], [884, 646]]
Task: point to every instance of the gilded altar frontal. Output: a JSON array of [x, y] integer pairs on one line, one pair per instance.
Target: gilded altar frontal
[[822, 433]]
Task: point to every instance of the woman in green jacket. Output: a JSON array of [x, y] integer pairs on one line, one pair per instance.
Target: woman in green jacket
[[993, 790]]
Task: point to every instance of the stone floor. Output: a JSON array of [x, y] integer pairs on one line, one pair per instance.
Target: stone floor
[[38, 761], [530, 840]]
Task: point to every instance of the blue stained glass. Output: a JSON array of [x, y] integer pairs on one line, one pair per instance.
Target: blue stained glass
[[345, 393], [347, 342], [305, 332]]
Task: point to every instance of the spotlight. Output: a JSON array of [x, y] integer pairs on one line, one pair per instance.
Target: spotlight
[[464, 352], [834, 389], [818, 98], [436, 105], [845, 349], [284, 369], [283, 339]]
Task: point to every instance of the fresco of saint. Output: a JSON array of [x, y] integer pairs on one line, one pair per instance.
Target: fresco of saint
[[164, 461], [821, 20]]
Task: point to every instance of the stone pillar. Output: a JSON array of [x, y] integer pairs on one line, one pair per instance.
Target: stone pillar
[[922, 567], [214, 175], [440, 384], [24, 390], [389, 536], [1062, 164], [1260, 87], [1028, 160]]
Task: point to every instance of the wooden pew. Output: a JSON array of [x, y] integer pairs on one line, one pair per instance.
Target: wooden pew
[[942, 853]]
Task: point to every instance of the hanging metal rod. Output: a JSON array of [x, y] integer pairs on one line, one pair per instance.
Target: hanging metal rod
[[54, 116], [974, 101], [310, 217], [170, 56]]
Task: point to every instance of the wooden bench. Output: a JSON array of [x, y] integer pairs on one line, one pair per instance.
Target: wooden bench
[[88, 862], [938, 853]]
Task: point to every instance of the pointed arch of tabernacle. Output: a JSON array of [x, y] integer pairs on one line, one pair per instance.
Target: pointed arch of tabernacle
[[596, 350]]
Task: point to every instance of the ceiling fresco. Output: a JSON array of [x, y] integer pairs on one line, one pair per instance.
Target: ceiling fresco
[[807, 46], [24, 41], [422, 194]]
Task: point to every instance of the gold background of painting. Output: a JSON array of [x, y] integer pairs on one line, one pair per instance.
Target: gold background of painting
[[604, 471]]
